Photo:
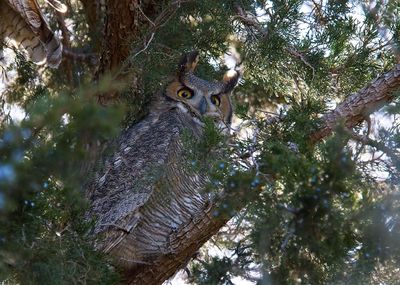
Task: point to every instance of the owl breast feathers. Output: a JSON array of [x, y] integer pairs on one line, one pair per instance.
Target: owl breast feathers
[[24, 27], [144, 191]]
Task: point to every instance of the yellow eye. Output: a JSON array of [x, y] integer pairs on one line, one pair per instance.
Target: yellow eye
[[185, 93], [215, 100]]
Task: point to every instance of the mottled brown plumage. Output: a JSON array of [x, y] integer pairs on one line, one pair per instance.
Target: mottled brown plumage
[[145, 193], [23, 26]]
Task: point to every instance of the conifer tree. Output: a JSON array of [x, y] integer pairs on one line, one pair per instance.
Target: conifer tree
[[310, 176]]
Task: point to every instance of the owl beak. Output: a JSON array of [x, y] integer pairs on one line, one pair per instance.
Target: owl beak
[[207, 111], [203, 106]]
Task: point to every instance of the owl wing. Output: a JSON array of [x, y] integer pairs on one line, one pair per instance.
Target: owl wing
[[128, 177], [23, 25]]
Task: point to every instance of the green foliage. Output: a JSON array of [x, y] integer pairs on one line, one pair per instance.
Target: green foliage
[[43, 236], [303, 212]]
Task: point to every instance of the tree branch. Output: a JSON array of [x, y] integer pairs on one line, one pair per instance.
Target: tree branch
[[358, 106], [376, 144], [250, 21]]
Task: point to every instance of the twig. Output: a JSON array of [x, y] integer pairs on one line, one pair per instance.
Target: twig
[[160, 21], [253, 150], [136, 261], [249, 21], [382, 29], [115, 226], [299, 55], [289, 235], [145, 46], [252, 22], [292, 210], [148, 19], [378, 145]]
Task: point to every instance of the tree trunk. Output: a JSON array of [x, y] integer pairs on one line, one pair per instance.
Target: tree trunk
[[123, 21]]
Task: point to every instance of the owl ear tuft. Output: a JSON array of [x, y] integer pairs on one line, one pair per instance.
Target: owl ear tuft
[[230, 80], [188, 62]]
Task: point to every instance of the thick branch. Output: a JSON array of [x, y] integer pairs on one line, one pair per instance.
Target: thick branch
[[378, 145], [358, 106], [250, 21], [185, 244]]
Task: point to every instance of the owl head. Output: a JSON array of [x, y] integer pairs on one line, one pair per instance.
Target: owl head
[[201, 97]]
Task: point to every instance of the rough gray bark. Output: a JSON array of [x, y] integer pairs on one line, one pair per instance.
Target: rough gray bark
[[358, 106]]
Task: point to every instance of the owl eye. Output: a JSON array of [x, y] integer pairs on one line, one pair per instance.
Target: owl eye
[[215, 100], [185, 93]]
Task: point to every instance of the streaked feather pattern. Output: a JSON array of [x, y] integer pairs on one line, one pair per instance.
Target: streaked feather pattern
[[145, 196], [23, 26]]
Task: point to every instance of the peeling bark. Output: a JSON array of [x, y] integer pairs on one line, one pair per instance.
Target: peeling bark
[[358, 106]]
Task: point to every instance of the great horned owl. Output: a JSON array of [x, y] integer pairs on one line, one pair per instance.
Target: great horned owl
[[144, 192], [23, 26]]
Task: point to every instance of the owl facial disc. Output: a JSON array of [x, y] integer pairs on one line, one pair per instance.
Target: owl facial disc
[[200, 97]]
